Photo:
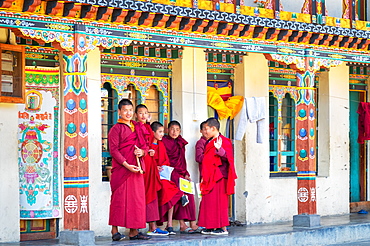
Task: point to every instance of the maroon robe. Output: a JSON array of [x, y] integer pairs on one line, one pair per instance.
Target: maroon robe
[[127, 208], [199, 153], [217, 184], [176, 153]]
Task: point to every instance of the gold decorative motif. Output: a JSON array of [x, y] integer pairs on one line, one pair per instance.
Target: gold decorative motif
[[138, 35], [286, 50], [35, 56], [222, 45], [336, 56], [132, 64], [288, 76], [59, 27], [214, 70]]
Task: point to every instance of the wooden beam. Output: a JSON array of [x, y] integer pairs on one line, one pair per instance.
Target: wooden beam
[[104, 13], [119, 15], [53, 7], [70, 9], [187, 23], [30, 5]]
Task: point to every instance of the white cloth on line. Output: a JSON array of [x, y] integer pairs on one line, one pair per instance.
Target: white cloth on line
[[254, 110]]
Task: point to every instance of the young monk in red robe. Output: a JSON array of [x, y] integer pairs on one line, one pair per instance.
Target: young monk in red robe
[[175, 147], [127, 146], [152, 181], [199, 149], [218, 180], [170, 194]]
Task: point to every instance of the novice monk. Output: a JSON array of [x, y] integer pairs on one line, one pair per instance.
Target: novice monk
[[126, 145], [151, 177], [218, 180], [175, 147], [199, 149], [170, 194]]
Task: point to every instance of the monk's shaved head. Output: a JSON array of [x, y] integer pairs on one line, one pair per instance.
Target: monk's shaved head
[[213, 122], [124, 102], [174, 123]]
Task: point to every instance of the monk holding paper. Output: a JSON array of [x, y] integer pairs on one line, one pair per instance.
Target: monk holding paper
[[175, 147]]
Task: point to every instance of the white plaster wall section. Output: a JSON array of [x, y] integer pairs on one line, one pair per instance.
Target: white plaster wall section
[[336, 184], [241, 193], [9, 202], [293, 5], [335, 8], [99, 191]]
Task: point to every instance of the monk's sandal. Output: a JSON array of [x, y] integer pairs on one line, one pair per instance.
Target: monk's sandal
[[117, 236]]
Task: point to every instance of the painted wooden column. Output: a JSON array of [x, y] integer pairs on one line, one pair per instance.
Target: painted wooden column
[[306, 144], [76, 164], [317, 9]]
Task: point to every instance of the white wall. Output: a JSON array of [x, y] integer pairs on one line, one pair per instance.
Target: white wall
[[99, 191], [189, 100], [269, 199], [333, 173], [9, 201], [293, 5], [335, 8]]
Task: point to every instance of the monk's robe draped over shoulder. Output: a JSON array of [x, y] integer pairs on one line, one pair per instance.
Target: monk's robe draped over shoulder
[[122, 141], [176, 153], [211, 172]]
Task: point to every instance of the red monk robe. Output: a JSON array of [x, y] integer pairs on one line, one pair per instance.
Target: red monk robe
[[127, 208], [217, 184], [176, 153], [170, 194], [152, 182]]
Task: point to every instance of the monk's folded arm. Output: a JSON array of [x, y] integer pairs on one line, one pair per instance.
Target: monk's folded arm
[[114, 143], [221, 152]]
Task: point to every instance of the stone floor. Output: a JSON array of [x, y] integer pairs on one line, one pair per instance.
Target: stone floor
[[334, 230]]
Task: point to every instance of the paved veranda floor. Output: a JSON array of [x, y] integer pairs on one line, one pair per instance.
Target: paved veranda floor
[[249, 233]]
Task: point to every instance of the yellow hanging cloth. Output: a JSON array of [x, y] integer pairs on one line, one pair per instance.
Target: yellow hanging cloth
[[235, 104], [215, 101]]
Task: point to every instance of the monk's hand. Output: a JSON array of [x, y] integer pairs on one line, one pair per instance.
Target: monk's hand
[[218, 143], [151, 152], [187, 177], [138, 152], [160, 169], [133, 168]]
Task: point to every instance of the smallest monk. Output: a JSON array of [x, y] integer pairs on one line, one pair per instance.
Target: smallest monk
[[199, 149], [218, 180], [151, 176]]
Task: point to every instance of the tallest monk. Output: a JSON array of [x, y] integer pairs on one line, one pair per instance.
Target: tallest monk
[[127, 145], [175, 147]]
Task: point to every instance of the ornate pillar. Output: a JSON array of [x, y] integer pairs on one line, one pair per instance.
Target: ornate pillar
[[306, 148], [317, 9], [76, 162]]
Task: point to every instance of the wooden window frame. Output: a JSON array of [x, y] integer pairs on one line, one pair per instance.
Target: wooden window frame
[[18, 71], [276, 135]]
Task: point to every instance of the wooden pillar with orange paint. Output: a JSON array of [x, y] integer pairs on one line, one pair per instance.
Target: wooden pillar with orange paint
[[76, 162], [306, 151]]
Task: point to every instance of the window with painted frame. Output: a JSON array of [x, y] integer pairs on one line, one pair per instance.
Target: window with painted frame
[[282, 111], [109, 109]]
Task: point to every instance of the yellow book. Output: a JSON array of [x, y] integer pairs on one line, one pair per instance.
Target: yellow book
[[187, 186]]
